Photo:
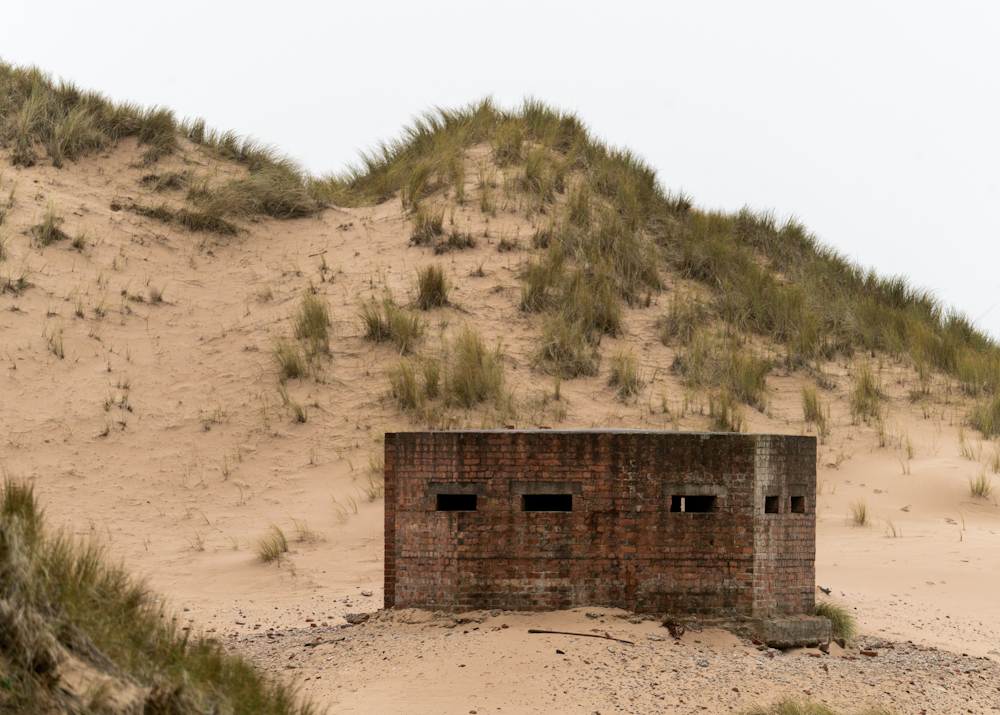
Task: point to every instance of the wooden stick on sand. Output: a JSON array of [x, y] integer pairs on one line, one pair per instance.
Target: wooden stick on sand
[[586, 635]]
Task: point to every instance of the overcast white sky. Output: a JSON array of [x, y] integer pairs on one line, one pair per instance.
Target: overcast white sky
[[877, 124]]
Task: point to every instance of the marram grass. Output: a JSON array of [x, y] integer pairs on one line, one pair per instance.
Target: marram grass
[[63, 598], [623, 234]]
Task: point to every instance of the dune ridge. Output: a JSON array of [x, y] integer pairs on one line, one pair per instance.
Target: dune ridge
[[148, 399]]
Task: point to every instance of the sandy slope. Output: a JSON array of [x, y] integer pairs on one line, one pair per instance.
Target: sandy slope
[[201, 457]]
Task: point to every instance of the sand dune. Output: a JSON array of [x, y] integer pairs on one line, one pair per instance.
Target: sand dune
[[140, 397]]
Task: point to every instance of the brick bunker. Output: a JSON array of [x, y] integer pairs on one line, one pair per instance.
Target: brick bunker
[[655, 522]]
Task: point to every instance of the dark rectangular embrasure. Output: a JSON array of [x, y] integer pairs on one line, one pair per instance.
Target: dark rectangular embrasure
[[456, 502], [701, 503], [547, 502], [692, 503]]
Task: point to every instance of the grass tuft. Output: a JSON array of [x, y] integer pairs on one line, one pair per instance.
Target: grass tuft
[[541, 280], [567, 346], [311, 324], [725, 413], [685, 315], [508, 141], [384, 321], [844, 625], [50, 229], [981, 485], [985, 417], [272, 546], [476, 373], [866, 394], [170, 181], [403, 385], [209, 221], [814, 411], [428, 224], [457, 240], [432, 287], [289, 361], [162, 212], [708, 362], [860, 514], [507, 245], [625, 376]]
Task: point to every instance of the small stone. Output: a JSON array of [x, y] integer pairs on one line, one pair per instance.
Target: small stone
[[825, 647], [654, 637], [702, 663], [366, 592]]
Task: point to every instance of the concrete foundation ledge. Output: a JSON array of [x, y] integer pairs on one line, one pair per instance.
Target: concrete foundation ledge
[[793, 631]]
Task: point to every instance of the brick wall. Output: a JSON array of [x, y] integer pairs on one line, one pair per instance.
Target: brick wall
[[785, 542], [621, 545]]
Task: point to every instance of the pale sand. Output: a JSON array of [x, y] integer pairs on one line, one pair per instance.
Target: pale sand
[[209, 455]]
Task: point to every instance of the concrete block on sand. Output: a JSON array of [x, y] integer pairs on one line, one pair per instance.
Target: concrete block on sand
[[794, 631]]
